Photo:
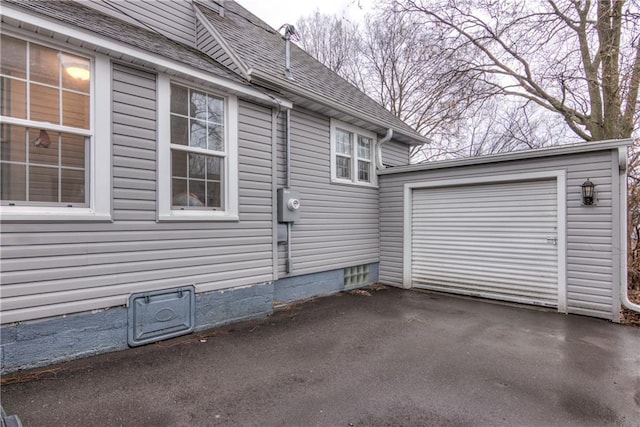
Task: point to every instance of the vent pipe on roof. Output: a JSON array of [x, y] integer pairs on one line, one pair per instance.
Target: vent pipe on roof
[[221, 7], [289, 33]]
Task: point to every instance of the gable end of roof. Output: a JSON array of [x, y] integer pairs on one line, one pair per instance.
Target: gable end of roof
[[239, 64]]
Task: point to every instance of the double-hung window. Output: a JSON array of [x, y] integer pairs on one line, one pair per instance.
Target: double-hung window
[[48, 143], [198, 153], [352, 151]]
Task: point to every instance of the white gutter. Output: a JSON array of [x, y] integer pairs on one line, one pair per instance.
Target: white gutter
[[624, 292], [582, 147], [379, 164]]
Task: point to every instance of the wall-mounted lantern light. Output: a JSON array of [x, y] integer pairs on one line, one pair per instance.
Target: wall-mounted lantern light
[[588, 192]]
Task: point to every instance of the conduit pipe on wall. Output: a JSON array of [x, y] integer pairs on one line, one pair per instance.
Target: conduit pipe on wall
[[624, 292], [387, 138], [287, 144]]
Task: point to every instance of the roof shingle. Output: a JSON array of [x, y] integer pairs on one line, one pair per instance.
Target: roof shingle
[[80, 16], [263, 49]]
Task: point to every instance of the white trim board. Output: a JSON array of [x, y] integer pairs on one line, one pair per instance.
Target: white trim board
[[562, 150], [561, 180]]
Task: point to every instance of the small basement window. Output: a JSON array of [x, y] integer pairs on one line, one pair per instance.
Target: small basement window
[[356, 276]]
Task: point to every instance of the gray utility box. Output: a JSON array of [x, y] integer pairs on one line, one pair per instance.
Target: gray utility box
[[288, 205]]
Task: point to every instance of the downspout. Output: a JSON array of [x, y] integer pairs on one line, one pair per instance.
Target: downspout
[[624, 293], [387, 138], [288, 183]]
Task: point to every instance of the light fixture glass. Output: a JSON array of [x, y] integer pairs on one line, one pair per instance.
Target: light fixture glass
[[78, 71], [588, 192], [77, 68]]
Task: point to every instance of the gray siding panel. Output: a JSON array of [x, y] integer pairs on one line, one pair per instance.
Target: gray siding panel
[[134, 141], [589, 229], [206, 43], [395, 153], [338, 224], [172, 18], [59, 268]]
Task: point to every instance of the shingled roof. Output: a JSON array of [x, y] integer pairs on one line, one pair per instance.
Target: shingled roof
[[261, 49], [86, 18]]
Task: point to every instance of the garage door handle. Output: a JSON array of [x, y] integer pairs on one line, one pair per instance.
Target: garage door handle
[[552, 240]]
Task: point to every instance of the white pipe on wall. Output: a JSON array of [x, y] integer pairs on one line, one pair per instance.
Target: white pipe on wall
[[386, 138], [288, 184], [624, 293]]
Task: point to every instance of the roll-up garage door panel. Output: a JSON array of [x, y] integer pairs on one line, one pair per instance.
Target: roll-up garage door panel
[[493, 240]]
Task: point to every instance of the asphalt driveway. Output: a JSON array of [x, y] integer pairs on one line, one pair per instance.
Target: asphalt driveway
[[393, 358]]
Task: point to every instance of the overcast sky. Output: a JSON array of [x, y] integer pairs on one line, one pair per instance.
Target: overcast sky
[[278, 12]]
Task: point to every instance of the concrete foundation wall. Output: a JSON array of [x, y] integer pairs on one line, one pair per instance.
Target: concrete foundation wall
[[42, 342], [296, 288]]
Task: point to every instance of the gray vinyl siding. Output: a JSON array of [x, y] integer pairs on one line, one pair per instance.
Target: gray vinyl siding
[[172, 18], [338, 224], [395, 153], [59, 268], [134, 144], [591, 274], [208, 44]]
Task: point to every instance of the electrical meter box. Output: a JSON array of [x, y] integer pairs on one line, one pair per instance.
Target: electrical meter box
[[288, 205]]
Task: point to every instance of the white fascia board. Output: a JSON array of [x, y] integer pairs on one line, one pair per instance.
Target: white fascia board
[[141, 54], [561, 150], [419, 139], [221, 41]]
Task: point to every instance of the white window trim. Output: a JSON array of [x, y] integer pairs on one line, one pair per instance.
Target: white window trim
[[165, 213], [354, 155], [100, 155]]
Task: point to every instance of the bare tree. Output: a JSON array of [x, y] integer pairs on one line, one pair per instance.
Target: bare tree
[[333, 41], [411, 73], [403, 66], [579, 59], [498, 125]]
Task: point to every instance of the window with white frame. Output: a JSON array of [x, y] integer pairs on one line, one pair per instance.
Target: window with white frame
[[198, 158], [352, 151], [47, 133]]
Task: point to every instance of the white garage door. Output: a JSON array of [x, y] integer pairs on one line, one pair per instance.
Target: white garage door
[[494, 240]]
